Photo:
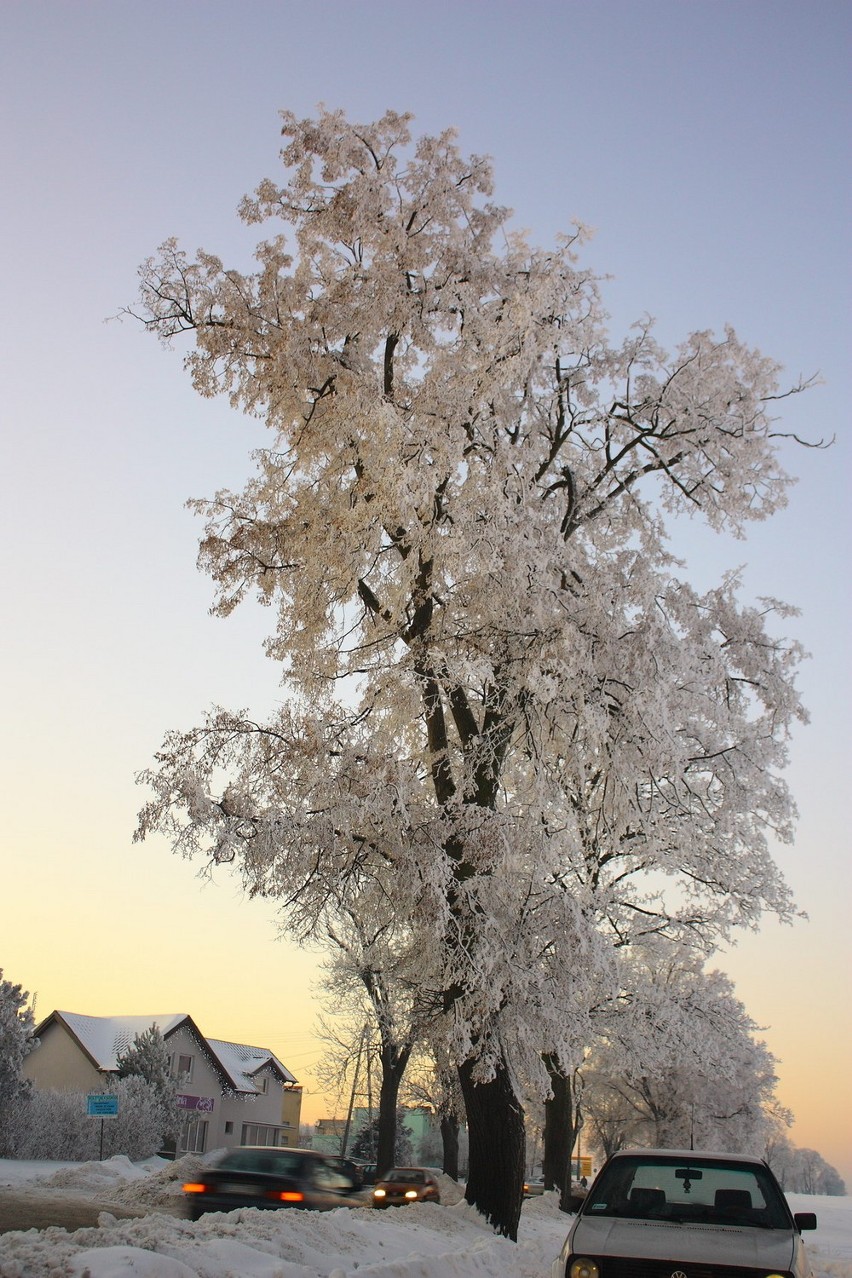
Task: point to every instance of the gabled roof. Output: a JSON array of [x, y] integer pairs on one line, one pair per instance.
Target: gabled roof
[[104, 1038], [241, 1063]]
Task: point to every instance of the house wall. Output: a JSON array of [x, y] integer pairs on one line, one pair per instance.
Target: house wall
[[291, 1112], [58, 1064], [214, 1121]]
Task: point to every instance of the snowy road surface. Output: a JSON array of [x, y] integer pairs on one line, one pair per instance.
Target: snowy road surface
[[421, 1241]]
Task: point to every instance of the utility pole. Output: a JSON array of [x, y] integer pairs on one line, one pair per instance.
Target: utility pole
[[345, 1141]]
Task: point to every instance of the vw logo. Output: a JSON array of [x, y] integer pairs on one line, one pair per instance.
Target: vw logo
[[678, 1273]]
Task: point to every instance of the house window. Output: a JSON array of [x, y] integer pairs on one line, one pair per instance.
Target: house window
[[193, 1136], [182, 1067], [229, 1127], [263, 1084], [262, 1134]]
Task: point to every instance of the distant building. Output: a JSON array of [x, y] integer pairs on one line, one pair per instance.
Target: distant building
[[328, 1133], [230, 1093]]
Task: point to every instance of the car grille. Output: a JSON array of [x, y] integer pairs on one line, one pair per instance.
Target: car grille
[[612, 1267]]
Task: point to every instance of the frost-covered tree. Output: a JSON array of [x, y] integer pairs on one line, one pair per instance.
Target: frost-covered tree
[[16, 1041], [802, 1171], [375, 973], [434, 1084], [503, 707], [680, 1065], [366, 1143], [148, 1058]]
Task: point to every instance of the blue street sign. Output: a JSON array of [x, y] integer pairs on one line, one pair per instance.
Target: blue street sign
[[104, 1106]]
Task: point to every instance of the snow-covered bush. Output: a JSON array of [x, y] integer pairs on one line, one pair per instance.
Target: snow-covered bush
[[139, 1129], [53, 1124], [16, 1040]]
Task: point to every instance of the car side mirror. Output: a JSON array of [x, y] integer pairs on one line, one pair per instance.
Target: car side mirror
[[805, 1220]]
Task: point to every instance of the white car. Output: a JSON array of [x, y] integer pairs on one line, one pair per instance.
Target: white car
[[662, 1213]]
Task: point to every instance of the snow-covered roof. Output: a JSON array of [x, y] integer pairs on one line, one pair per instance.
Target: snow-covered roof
[[106, 1037], [242, 1062]]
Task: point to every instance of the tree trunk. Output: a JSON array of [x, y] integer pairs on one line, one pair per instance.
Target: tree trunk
[[450, 1138], [558, 1134], [393, 1068], [495, 1121]]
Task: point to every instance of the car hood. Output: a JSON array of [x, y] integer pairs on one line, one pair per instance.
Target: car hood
[[666, 1240]]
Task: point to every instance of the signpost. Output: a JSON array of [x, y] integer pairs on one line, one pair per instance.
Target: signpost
[[102, 1105]]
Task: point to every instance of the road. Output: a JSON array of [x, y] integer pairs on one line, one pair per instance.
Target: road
[[29, 1209]]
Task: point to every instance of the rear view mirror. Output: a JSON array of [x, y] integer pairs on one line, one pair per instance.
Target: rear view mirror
[[805, 1220]]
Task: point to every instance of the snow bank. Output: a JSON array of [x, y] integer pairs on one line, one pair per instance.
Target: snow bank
[[420, 1241]]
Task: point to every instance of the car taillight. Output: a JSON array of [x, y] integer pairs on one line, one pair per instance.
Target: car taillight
[[194, 1187], [288, 1196]]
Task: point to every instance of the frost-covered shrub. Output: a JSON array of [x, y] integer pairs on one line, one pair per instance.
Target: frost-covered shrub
[[52, 1124], [142, 1120]]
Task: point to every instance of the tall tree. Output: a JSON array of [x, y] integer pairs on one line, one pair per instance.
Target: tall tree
[[16, 1041], [375, 973], [459, 524], [147, 1058]]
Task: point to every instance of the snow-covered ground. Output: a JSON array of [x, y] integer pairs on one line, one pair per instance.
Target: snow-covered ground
[[421, 1241]]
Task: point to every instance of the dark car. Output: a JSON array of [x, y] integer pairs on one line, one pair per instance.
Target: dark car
[[366, 1171], [406, 1185], [263, 1176], [658, 1213]]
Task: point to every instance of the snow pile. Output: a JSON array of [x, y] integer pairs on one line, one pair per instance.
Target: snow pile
[[420, 1241], [98, 1177], [163, 1187]]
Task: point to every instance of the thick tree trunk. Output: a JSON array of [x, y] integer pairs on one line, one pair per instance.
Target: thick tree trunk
[[450, 1139], [495, 1121], [558, 1134]]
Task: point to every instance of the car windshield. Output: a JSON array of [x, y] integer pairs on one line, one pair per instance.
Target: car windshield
[[408, 1174], [691, 1190]]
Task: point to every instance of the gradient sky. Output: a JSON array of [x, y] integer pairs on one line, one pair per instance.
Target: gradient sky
[[707, 143]]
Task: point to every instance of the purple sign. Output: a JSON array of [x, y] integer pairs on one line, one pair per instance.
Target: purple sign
[[203, 1104]]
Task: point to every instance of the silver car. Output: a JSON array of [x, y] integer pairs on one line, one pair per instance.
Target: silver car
[[662, 1213]]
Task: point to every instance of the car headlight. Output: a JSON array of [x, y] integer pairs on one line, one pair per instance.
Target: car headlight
[[378, 1193], [411, 1193], [581, 1268]]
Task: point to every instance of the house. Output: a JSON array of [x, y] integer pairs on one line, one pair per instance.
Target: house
[[230, 1093]]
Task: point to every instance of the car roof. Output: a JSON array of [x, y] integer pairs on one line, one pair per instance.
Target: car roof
[[685, 1155], [278, 1149]]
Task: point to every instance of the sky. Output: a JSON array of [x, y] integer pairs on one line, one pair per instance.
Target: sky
[[705, 143]]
